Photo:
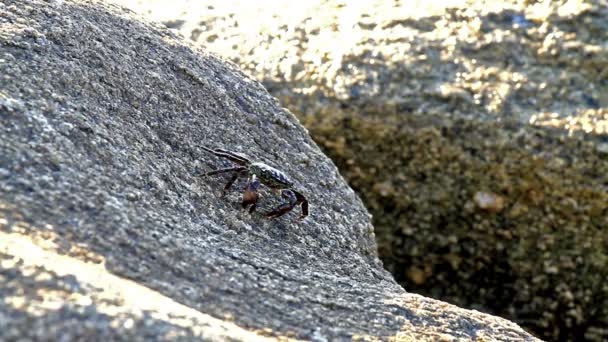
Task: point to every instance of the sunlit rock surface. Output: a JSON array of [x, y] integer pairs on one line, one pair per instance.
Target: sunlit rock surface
[[108, 232], [423, 105]]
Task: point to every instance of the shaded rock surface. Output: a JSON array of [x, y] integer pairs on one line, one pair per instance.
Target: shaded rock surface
[[107, 231], [475, 133]]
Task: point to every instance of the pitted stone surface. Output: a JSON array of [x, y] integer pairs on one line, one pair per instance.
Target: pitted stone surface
[[108, 232]]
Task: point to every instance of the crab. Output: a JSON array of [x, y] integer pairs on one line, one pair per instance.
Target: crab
[[259, 173]]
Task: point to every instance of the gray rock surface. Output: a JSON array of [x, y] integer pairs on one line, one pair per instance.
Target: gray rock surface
[[425, 105], [107, 231]]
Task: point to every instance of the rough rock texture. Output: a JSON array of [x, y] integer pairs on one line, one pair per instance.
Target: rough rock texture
[[495, 226], [108, 233], [427, 109], [475, 59]]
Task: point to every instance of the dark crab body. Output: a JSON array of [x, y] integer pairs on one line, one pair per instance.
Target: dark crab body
[[260, 173], [270, 176]]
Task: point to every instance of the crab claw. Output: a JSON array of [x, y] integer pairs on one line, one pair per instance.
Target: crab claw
[[250, 196], [293, 198]]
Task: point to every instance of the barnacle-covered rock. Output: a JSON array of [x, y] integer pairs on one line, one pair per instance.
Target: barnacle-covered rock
[[385, 88]]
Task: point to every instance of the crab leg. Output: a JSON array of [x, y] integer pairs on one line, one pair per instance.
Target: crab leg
[[285, 207], [233, 179], [228, 155], [304, 201], [228, 169], [293, 198]]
